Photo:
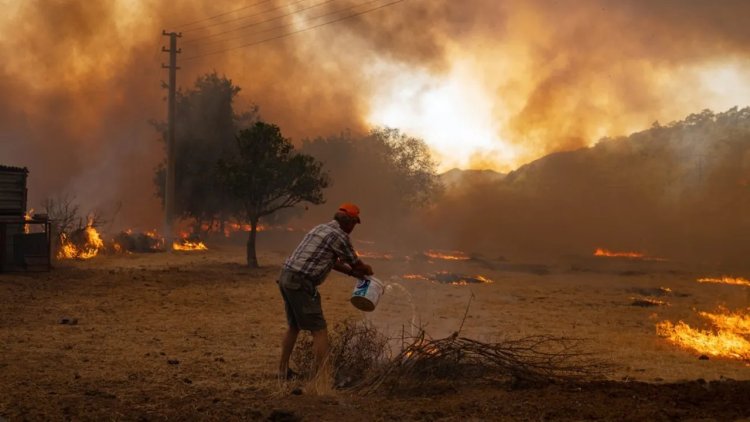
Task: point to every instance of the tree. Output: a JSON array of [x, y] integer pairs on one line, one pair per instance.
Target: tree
[[267, 175], [204, 132], [387, 173]]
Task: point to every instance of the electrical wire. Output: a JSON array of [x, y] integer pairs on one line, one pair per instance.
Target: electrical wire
[[222, 14], [190, 58], [256, 23], [239, 18]]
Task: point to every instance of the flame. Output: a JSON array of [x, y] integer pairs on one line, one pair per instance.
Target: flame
[[28, 217], [187, 245], [632, 255], [736, 322], [648, 301], [413, 277], [605, 252], [726, 280], [446, 277], [727, 339], [721, 343], [230, 227], [374, 255], [448, 256], [91, 245], [476, 278]]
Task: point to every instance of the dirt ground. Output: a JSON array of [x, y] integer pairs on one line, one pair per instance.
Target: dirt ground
[[186, 336]]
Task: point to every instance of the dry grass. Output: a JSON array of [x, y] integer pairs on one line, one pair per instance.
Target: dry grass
[[224, 322]]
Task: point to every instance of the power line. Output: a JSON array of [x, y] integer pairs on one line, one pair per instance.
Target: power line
[[242, 17], [282, 26], [297, 31], [222, 14], [258, 23]]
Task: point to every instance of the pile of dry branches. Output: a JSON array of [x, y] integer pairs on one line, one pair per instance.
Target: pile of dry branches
[[531, 360], [361, 360]]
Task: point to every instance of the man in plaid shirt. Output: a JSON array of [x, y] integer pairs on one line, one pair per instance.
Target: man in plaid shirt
[[324, 248]]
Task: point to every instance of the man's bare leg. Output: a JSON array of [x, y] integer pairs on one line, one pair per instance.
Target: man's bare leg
[[287, 345], [320, 348]]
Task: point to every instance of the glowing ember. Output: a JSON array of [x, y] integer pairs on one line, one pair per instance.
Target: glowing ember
[[374, 255], [448, 256], [632, 255], [82, 244], [187, 245], [230, 228], [726, 280], [446, 277], [28, 217], [647, 302], [128, 242], [604, 252]]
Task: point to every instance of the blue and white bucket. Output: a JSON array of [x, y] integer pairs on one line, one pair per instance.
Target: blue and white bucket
[[367, 293]]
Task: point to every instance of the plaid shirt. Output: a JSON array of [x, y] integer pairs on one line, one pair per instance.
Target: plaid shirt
[[319, 250]]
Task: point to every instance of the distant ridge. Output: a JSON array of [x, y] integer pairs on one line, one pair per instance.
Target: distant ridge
[[456, 178]]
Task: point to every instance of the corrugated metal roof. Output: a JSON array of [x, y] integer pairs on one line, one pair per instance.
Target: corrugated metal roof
[[14, 169]]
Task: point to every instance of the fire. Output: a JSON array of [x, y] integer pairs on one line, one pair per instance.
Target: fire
[[128, 242], [230, 228], [446, 277], [604, 252], [730, 321], [82, 244], [374, 255], [726, 280], [187, 245], [632, 255], [728, 339], [28, 216], [448, 256], [720, 343]]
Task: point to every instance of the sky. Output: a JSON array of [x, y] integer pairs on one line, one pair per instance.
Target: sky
[[486, 84]]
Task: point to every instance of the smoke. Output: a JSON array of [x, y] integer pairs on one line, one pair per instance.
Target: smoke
[[81, 79]]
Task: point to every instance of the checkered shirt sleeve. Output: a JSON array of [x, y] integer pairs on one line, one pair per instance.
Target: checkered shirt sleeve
[[319, 250]]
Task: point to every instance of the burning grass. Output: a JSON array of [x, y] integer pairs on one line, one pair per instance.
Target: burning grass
[[727, 339], [128, 241], [737, 281], [601, 252], [189, 245], [447, 277], [447, 255], [361, 360], [83, 243]]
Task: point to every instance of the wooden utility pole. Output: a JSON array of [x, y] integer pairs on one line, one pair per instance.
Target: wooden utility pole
[[169, 199]]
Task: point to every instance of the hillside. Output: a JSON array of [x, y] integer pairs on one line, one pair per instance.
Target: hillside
[[679, 190]]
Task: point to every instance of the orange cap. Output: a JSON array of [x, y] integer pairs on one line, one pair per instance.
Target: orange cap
[[351, 210]]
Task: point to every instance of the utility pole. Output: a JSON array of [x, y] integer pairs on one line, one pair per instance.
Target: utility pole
[[169, 199]]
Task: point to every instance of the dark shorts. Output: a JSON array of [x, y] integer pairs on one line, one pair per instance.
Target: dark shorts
[[301, 302]]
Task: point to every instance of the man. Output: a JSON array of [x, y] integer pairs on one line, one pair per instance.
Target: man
[[324, 248]]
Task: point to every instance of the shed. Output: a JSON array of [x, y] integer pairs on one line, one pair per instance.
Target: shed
[[20, 248]]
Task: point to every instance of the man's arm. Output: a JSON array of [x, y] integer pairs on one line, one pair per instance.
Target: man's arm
[[342, 267], [359, 269]]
